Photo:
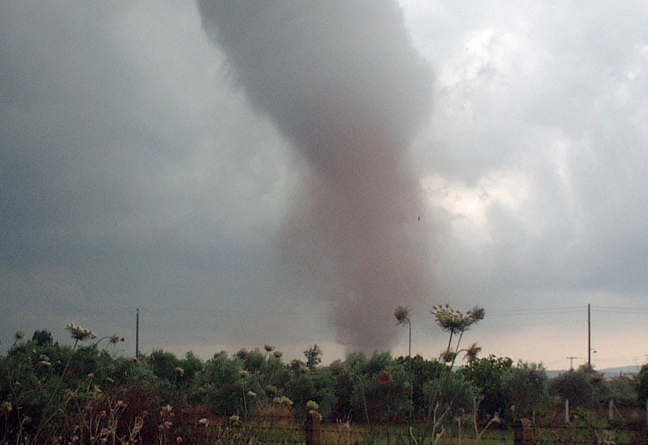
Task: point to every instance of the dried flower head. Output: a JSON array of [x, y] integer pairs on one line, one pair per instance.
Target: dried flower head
[[251, 394], [312, 405], [454, 321], [114, 339], [179, 371], [472, 352], [277, 354], [283, 400], [7, 407], [243, 374], [269, 348], [402, 314], [78, 333], [19, 335]]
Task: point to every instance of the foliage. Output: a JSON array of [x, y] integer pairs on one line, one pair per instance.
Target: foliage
[[642, 384], [313, 356], [486, 374], [51, 393], [583, 388], [622, 390], [526, 389], [452, 393]]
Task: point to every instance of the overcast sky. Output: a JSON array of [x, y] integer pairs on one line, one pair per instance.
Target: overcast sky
[[289, 175]]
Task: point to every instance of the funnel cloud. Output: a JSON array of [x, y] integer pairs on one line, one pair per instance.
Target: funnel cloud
[[342, 83]]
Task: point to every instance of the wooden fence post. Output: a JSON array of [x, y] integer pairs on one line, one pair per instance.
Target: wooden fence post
[[522, 432], [313, 429]]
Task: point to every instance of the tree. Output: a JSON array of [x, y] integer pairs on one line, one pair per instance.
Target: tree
[[487, 375], [313, 356], [526, 388], [583, 387], [642, 384]]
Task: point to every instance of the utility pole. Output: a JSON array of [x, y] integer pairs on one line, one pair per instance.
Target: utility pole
[[571, 363], [137, 335], [589, 336]]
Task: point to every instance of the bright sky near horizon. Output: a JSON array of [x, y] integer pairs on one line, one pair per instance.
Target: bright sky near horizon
[[143, 165]]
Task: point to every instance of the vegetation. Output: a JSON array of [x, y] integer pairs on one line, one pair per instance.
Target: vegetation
[[52, 393]]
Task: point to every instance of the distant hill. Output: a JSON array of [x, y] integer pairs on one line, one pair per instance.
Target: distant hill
[[607, 372]]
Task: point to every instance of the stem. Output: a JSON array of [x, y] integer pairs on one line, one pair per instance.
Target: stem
[[449, 342]]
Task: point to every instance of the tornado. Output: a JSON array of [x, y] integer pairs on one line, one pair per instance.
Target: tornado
[[342, 82]]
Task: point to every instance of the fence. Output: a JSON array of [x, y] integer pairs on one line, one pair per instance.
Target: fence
[[313, 431]]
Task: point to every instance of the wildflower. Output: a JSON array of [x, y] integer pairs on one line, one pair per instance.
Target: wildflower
[[251, 394], [269, 348], [7, 407], [277, 354], [234, 419], [45, 363], [472, 351], [139, 423], [44, 357], [303, 369], [283, 400], [243, 374], [78, 333], [455, 322], [114, 339], [179, 371], [312, 405], [271, 390], [166, 409], [203, 421], [402, 314], [179, 439], [19, 335]]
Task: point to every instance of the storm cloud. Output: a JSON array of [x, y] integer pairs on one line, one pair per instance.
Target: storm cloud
[[142, 165]]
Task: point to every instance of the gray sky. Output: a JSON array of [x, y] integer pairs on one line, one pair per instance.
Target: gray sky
[[141, 167]]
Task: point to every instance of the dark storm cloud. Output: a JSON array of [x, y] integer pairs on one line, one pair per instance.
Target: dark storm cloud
[[344, 85], [133, 174], [113, 194]]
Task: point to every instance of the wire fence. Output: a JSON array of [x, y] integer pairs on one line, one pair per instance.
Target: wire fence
[[313, 431]]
